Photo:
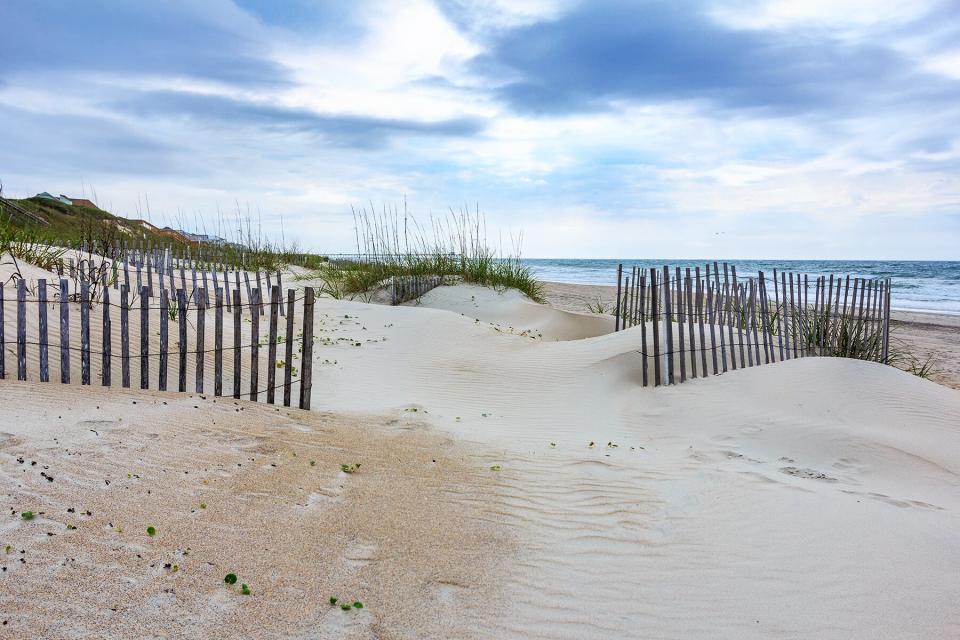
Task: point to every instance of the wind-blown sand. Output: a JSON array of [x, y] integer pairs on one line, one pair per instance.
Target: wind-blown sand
[[812, 498]]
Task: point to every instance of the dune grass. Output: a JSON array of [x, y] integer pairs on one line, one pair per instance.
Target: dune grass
[[455, 247]]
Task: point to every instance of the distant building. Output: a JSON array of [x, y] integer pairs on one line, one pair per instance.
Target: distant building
[[49, 196], [83, 202], [197, 237]]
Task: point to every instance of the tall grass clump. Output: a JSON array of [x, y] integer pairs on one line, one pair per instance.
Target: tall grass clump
[[453, 246]]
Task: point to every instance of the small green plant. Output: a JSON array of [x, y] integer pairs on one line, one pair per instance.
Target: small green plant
[[313, 463], [358, 605], [27, 515], [350, 468], [345, 607], [333, 600], [151, 531], [495, 467], [598, 307], [244, 589], [7, 548], [203, 505], [230, 578]]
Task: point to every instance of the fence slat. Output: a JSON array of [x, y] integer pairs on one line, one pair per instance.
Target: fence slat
[[218, 344], [288, 353], [84, 333], [656, 316], [272, 346], [125, 336], [236, 341], [616, 313], [885, 353], [107, 340], [145, 336], [21, 329], [691, 312], [280, 286], [182, 321], [306, 362], [201, 344], [678, 301], [42, 338], [254, 344], [64, 331], [668, 328], [713, 322], [755, 320], [164, 331], [3, 340], [643, 326], [699, 311]]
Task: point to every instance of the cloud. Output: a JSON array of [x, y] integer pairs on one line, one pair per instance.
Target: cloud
[[357, 131], [605, 51], [66, 144], [209, 40]]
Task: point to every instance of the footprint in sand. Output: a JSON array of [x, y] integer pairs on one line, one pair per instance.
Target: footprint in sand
[[809, 474], [360, 554]]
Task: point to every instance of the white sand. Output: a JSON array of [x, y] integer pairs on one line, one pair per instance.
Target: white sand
[[811, 498]]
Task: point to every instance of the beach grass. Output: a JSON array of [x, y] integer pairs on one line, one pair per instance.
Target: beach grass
[[456, 247]]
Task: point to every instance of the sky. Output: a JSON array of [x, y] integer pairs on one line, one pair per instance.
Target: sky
[[677, 129]]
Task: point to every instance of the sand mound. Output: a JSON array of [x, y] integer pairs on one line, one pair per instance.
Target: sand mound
[[512, 312]]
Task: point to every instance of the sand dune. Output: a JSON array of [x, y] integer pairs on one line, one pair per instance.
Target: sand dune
[[810, 498]]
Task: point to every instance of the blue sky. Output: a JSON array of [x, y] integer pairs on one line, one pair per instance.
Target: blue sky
[[724, 128]]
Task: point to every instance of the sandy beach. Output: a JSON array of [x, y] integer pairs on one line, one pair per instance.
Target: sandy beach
[[514, 481]]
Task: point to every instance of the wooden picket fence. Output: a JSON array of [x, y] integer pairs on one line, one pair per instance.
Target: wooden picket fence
[[173, 306], [161, 269], [702, 323], [405, 288]]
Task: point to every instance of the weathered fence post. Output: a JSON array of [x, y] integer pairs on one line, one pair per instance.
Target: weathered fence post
[[201, 337], [64, 331], [306, 363], [236, 342], [124, 336], [107, 340], [182, 321], [43, 332], [668, 327], [164, 322], [21, 329], [655, 315], [84, 333], [218, 344], [255, 344], [3, 340], [272, 347], [145, 336], [616, 313], [288, 354]]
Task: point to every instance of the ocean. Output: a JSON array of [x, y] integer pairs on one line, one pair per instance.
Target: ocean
[[916, 285]]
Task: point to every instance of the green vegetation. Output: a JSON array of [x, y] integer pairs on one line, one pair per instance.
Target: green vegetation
[[244, 589], [230, 578], [456, 248], [151, 531], [349, 468], [599, 307], [27, 515]]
